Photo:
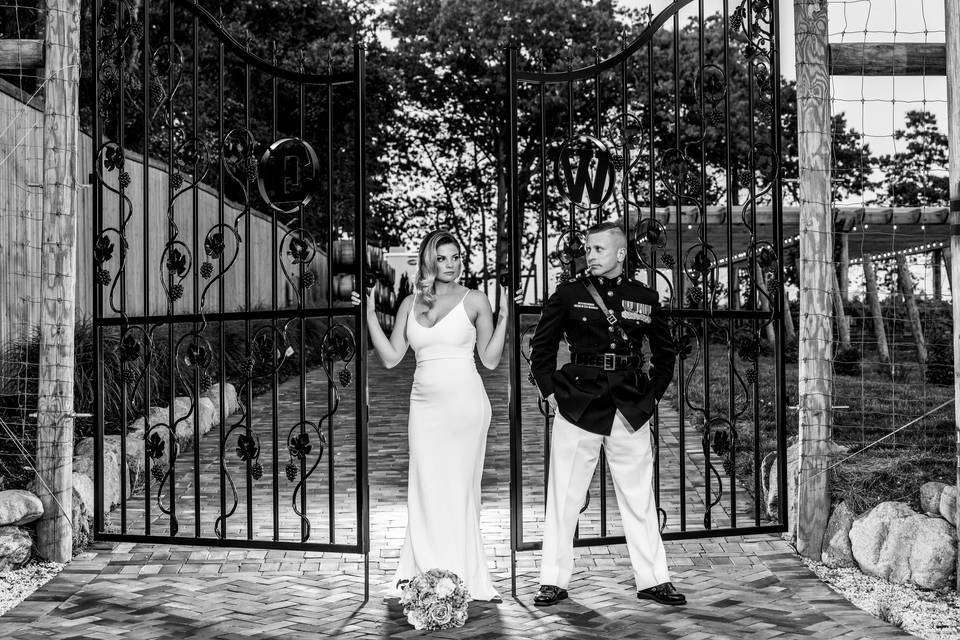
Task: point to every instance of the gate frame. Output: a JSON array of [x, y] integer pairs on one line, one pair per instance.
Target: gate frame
[[515, 219], [355, 77]]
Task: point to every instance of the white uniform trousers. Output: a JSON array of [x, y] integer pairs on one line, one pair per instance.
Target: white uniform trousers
[[573, 458]]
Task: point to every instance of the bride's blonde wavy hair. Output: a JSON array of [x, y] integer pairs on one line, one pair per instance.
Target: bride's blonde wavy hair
[[427, 267]]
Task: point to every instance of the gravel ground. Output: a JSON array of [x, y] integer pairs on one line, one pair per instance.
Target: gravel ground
[[17, 585], [932, 615]]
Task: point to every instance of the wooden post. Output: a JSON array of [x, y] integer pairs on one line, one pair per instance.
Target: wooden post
[[816, 265], [843, 325], [937, 256], [843, 274], [905, 282], [58, 268], [952, 17], [873, 300]]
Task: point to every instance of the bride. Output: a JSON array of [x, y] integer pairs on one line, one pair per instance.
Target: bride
[[449, 413]]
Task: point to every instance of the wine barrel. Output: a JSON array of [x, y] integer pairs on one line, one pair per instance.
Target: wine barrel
[[343, 285], [343, 257]]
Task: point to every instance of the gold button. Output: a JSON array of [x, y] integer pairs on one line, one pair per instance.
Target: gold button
[[613, 345], [610, 329], [609, 293], [584, 318]]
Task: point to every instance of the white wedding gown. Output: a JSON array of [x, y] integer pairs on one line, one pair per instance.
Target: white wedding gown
[[449, 419]]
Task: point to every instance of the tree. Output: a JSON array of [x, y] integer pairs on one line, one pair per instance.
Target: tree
[[916, 176]]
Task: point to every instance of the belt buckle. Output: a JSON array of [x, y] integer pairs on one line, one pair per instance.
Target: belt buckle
[[609, 361]]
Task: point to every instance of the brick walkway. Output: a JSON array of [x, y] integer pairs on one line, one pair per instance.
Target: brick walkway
[[737, 587]]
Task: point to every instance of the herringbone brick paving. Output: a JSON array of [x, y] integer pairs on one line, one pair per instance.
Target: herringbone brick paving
[[737, 587]]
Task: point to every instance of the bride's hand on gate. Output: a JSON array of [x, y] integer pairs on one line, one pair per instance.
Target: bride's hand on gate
[[355, 299]]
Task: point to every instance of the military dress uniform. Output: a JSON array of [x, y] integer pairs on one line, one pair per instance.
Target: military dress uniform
[[603, 399]]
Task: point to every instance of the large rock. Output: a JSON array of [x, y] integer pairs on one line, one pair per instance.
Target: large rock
[[948, 504], [836, 539], [15, 545], [134, 450], [930, 497], [188, 413], [83, 492], [158, 415], [19, 507], [112, 480], [230, 402], [81, 517], [772, 490], [893, 542]]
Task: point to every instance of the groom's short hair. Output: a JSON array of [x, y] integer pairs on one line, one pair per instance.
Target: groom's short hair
[[610, 225]]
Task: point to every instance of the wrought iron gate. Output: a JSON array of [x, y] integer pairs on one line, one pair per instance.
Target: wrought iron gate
[[229, 210], [677, 134]]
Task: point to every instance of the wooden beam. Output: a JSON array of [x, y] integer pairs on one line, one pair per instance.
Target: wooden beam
[[876, 313], [952, 20], [816, 265], [764, 304], [906, 283], [58, 267], [888, 59], [20, 54], [843, 324]]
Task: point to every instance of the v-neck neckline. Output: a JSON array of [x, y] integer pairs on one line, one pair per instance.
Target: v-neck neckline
[[452, 309]]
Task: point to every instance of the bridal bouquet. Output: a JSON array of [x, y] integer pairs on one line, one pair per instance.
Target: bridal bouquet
[[434, 600]]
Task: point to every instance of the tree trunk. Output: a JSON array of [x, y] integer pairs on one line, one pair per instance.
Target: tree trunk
[[873, 300], [843, 325], [937, 275], [905, 281], [843, 274]]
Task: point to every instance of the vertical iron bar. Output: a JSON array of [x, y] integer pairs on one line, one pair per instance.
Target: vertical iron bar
[[274, 377], [776, 133], [512, 213], [171, 235], [124, 418], [705, 284], [303, 341], [147, 301], [362, 407], [247, 303], [681, 271], [754, 300], [599, 218], [97, 289], [196, 283], [731, 272], [331, 446], [544, 224], [652, 274], [222, 373]]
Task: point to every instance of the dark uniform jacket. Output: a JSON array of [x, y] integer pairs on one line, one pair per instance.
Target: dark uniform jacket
[[588, 396]]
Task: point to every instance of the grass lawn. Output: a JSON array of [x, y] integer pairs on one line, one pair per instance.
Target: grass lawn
[[868, 406]]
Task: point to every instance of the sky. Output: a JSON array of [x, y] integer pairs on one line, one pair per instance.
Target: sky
[[875, 106]]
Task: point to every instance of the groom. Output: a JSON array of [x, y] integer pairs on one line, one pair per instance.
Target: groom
[[603, 398]]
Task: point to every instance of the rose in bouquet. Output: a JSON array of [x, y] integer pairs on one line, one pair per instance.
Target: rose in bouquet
[[434, 600]]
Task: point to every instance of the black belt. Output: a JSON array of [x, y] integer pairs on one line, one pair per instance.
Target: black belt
[[606, 361]]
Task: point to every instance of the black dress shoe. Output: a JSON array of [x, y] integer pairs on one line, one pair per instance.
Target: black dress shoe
[[664, 593], [548, 595]]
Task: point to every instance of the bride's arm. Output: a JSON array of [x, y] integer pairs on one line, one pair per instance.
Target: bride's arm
[[391, 350], [489, 339]]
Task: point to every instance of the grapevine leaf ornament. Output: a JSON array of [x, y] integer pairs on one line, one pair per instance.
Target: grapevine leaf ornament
[[177, 262], [214, 245], [154, 446], [103, 250], [247, 448], [300, 445], [129, 348]]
